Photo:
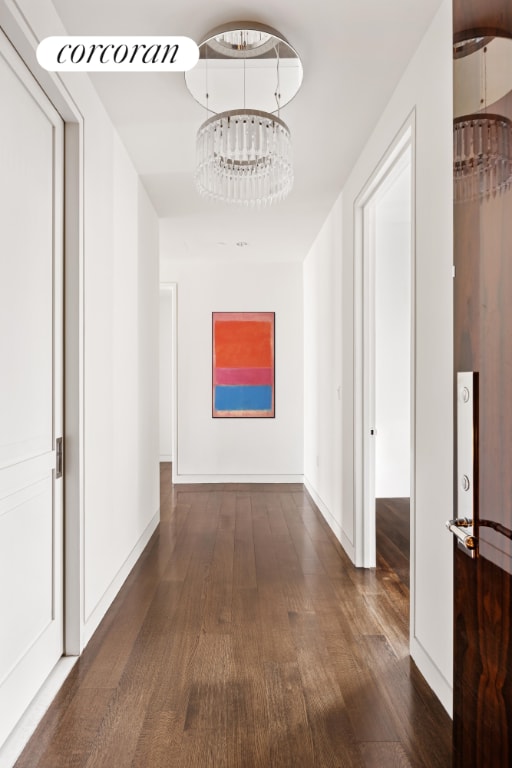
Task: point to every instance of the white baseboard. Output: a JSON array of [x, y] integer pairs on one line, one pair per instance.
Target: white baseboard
[[17, 740], [435, 679], [108, 596], [165, 457], [333, 524], [330, 520], [178, 478], [324, 509]]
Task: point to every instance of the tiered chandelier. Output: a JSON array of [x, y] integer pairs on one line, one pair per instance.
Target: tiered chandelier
[[246, 73]]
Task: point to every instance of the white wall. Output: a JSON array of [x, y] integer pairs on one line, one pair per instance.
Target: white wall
[[166, 352], [218, 449], [114, 457], [121, 359], [393, 339], [425, 87], [322, 368]]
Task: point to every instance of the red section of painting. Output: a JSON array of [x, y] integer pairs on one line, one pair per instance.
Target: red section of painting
[[243, 341], [233, 376]]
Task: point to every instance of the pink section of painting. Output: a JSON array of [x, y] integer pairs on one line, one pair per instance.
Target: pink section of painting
[[238, 376]]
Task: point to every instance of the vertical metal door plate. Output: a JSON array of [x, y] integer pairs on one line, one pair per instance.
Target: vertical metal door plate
[[467, 392]]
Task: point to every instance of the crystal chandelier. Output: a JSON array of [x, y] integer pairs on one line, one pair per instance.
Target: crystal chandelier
[[244, 156], [244, 153], [482, 142]]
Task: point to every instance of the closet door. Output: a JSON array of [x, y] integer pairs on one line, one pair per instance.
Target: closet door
[[31, 387]]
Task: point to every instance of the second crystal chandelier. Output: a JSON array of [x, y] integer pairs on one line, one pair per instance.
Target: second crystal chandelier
[[482, 137]]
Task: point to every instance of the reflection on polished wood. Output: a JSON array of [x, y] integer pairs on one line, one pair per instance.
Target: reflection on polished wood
[[482, 333], [483, 641], [245, 638], [491, 15], [393, 537]]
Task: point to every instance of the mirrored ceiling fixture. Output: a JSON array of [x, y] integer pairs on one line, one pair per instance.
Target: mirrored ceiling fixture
[[246, 73], [482, 128]]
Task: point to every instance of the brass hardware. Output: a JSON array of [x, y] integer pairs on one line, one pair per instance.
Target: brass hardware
[[59, 461], [465, 539]]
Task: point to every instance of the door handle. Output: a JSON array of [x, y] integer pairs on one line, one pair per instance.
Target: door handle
[[59, 449], [462, 529]]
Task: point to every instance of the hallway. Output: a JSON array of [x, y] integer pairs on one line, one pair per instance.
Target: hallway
[[244, 637]]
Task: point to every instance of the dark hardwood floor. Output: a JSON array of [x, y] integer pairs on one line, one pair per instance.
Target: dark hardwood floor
[[244, 638], [393, 537]]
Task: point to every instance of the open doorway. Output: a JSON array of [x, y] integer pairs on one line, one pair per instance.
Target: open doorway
[[167, 387], [384, 322], [392, 245]]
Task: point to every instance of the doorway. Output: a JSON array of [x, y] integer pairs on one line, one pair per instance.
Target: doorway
[[168, 357], [391, 261], [384, 302]]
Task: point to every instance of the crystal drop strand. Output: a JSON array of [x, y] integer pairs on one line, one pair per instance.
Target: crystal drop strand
[[254, 181], [492, 160], [251, 153], [467, 149], [229, 187], [500, 157], [245, 140], [258, 139], [506, 155], [459, 135], [240, 129], [224, 144], [487, 158]]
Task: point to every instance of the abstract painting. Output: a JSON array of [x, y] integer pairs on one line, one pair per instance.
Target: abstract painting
[[243, 364]]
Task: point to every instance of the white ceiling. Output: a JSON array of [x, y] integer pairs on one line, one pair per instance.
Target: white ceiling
[[353, 52]]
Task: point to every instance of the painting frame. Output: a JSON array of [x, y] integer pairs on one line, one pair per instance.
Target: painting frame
[[243, 365]]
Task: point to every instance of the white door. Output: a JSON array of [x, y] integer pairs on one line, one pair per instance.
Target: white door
[[31, 375]]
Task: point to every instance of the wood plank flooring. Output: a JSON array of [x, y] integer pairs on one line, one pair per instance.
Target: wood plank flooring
[[244, 638], [393, 536]]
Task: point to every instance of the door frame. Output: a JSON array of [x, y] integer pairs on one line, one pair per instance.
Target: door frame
[[172, 288], [21, 35], [364, 350]]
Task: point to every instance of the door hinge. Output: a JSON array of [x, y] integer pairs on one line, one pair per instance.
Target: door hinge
[[59, 463]]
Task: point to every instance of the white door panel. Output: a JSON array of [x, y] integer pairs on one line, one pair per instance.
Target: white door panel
[[27, 598], [31, 514], [26, 293]]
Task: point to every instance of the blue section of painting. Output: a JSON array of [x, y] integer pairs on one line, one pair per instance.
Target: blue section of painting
[[246, 398]]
